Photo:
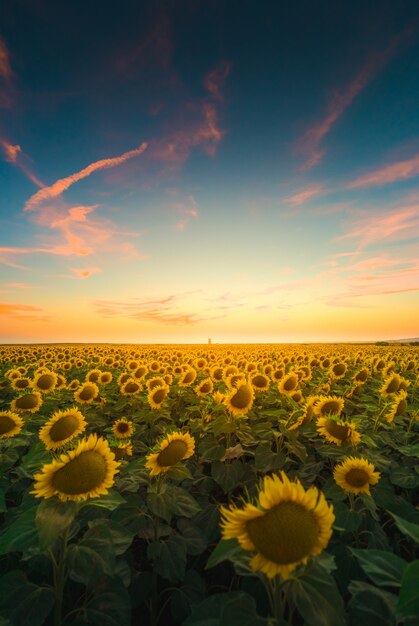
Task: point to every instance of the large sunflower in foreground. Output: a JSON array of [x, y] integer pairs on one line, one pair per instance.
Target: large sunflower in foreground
[[338, 431], [10, 424], [287, 525], [240, 400], [356, 475], [173, 448], [61, 428], [86, 472]]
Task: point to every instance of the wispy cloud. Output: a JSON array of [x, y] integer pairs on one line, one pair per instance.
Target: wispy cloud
[[14, 154], [61, 185], [402, 223], [305, 195], [309, 144], [24, 312], [387, 174], [186, 210], [164, 310], [214, 81], [85, 272], [6, 76]]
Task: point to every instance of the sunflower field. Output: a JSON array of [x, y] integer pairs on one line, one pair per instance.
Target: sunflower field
[[223, 485]]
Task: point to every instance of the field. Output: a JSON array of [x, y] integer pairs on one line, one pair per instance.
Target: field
[[224, 485]]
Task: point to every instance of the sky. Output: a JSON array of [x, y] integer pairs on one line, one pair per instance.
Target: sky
[[177, 171]]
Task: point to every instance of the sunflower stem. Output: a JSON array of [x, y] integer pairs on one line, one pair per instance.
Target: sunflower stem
[[59, 578]]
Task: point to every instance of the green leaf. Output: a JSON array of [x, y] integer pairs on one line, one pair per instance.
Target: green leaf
[[105, 533], [225, 550], [241, 612], [169, 558], [110, 606], [208, 612], [171, 501], [24, 603], [384, 568], [184, 504], [227, 475], [412, 450], [52, 518], [407, 528], [192, 535], [21, 533], [347, 520], [404, 477], [370, 605], [316, 597], [408, 605], [109, 501], [86, 565]]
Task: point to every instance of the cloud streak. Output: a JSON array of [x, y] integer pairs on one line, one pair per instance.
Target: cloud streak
[[214, 81], [61, 185], [309, 144], [388, 174]]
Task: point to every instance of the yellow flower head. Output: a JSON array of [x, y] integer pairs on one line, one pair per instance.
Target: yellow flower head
[[259, 382], [329, 405], [175, 447], [240, 400], [288, 384], [205, 387], [122, 429], [61, 428], [10, 424], [86, 393], [29, 403], [338, 432], [398, 407], [287, 525], [130, 387], [45, 382], [356, 475], [157, 396], [86, 472]]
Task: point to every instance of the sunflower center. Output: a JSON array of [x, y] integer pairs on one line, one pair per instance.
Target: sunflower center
[[338, 431], [29, 401], [159, 395], [64, 428], [87, 393], [45, 382], [392, 386], [6, 424], [131, 387], [291, 383], [357, 477], [339, 369], [123, 427], [285, 534], [331, 408], [401, 407], [259, 381], [241, 398], [81, 475], [205, 388], [174, 453]]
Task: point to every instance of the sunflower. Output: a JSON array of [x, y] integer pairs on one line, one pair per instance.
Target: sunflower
[[288, 384], [61, 428], [188, 378], [157, 396], [338, 432], [124, 449], [240, 400], [205, 387], [105, 378], [287, 525], [156, 381], [338, 370], [122, 429], [259, 382], [20, 384], [307, 415], [355, 475], [29, 403], [361, 376], [86, 393], [391, 385], [73, 385], [329, 405], [232, 380], [175, 447], [93, 376], [86, 472], [218, 397], [130, 387], [10, 424], [398, 407], [122, 378], [45, 382]]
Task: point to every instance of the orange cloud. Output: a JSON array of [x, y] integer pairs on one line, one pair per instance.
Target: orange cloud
[[215, 80], [186, 210], [14, 155], [306, 194], [22, 312], [401, 224], [309, 145], [55, 190], [5, 67], [85, 272], [388, 174]]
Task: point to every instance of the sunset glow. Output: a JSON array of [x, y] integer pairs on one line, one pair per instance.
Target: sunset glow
[[186, 172]]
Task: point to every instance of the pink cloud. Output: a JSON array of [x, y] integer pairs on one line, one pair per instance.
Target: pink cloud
[[186, 210], [388, 174], [309, 144], [5, 67], [401, 224], [15, 155], [306, 194], [85, 272], [55, 190], [215, 80]]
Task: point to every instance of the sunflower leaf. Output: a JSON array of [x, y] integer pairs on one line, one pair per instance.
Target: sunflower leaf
[[384, 568], [408, 605]]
